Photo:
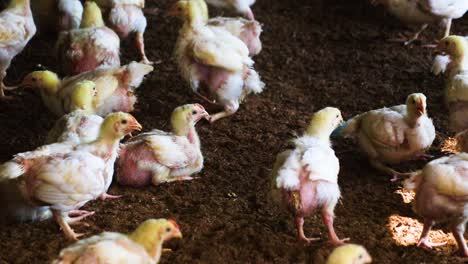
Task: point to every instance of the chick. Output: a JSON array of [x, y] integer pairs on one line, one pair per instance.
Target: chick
[[114, 88], [393, 135], [307, 177], [441, 196], [53, 16], [91, 46], [456, 91], [79, 126], [425, 12], [349, 254], [159, 157], [65, 177], [240, 6], [214, 57], [246, 30], [16, 29], [126, 18], [142, 246]]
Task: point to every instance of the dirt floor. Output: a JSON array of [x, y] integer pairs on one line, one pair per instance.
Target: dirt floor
[[316, 54]]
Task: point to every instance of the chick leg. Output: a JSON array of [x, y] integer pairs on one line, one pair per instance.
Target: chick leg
[[3, 87], [406, 41], [105, 196], [448, 27], [63, 223], [300, 229], [333, 238], [382, 167], [229, 110], [424, 239], [249, 14], [140, 41], [458, 232]]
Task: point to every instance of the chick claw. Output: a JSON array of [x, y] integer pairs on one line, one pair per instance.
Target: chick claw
[[105, 196], [424, 243], [338, 242], [309, 240]]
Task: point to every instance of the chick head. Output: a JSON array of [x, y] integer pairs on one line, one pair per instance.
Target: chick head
[[116, 125], [152, 232], [324, 122], [185, 117], [92, 16], [455, 46], [190, 10], [349, 254], [416, 104], [83, 95], [46, 80]]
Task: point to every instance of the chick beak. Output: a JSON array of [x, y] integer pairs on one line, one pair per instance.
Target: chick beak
[[134, 126], [440, 49], [420, 108], [27, 83], [178, 234]]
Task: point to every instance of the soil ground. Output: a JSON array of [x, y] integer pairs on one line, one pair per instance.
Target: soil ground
[[316, 54]]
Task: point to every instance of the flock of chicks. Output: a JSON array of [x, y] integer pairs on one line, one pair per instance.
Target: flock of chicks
[[215, 57]]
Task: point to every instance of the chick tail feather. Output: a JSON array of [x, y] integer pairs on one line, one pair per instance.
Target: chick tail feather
[[16, 208], [413, 181], [253, 83], [11, 170]]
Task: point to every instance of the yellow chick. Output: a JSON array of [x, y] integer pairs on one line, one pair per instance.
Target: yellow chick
[[81, 125], [456, 91], [158, 157], [214, 57], [114, 88], [65, 177], [349, 254], [16, 29], [142, 246], [91, 46]]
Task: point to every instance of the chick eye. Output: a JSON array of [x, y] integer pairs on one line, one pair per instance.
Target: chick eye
[[168, 229], [194, 112], [360, 256], [124, 121], [413, 101], [336, 116]]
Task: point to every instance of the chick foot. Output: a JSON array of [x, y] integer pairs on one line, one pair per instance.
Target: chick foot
[[425, 243], [300, 229], [62, 220], [206, 99], [333, 238], [140, 42], [407, 41], [105, 196], [78, 216]]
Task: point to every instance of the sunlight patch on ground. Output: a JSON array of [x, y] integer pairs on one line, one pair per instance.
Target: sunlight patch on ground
[[450, 146], [406, 231], [406, 195]]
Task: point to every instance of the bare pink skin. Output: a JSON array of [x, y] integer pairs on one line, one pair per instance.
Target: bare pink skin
[[128, 172], [308, 205], [251, 37], [427, 204]]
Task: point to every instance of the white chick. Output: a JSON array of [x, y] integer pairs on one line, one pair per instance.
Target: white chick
[[307, 177], [240, 6], [441, 196], [393, 135]]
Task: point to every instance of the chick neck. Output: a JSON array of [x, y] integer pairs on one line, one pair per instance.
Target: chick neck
[[320, 130], [152, 244], [459, 61], [107, 143], [196, 16], [412, 117], [186, 129], [92, 17]]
